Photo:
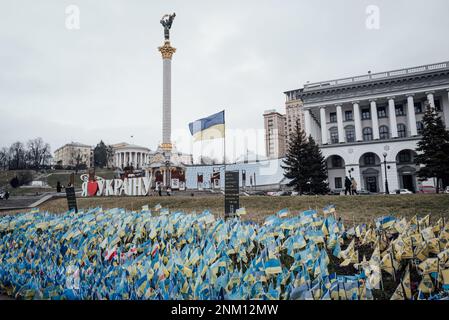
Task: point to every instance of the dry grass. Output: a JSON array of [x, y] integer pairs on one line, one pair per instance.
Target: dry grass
[[360, 209]]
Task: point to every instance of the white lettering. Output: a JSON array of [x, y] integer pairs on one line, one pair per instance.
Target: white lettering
[[84, 189], [117, 186]]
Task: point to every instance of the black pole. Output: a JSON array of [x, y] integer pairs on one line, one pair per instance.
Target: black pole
[[387, 191]]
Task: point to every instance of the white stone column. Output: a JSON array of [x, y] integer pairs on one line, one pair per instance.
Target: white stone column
[[446, 111], [307, 122], [324, 138], [375, 120], [411, 115], [341, 131], [431, 99], [392, 117], [357, 121]]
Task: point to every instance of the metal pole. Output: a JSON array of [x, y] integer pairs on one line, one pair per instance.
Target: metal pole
[[387, 191]]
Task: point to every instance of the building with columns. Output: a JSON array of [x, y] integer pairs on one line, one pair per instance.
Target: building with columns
[[126, 155], [360, 122]]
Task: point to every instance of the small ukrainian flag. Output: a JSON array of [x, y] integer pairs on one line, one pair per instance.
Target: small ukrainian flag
[[210, 128]]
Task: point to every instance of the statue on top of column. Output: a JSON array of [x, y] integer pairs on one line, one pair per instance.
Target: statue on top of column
[[167, 21]]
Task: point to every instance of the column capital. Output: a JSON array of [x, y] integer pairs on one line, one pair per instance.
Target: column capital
[[408, 95], [167, 50], [338, 105], [372, 100], [391, 98], [430, 92], [358, 102]]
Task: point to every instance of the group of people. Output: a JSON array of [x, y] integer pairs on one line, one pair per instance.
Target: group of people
[[159, 188], [350, 186]]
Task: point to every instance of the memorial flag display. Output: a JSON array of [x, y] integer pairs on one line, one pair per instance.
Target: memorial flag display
[[118, 254], [210, 128]]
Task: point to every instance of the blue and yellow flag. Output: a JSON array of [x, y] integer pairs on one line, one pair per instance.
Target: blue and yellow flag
[[210, 128]]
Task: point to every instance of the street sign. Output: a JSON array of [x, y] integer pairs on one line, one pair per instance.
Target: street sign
[[71, 198], [231, 193]]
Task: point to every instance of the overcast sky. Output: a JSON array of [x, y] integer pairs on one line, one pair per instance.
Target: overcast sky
[[104, 81]]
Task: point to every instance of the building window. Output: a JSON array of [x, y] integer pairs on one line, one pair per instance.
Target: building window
[[337, 162], [369, 159], [402, 131], [367, 134], [382, 112], [418, 107], [400, 110], [420, 127], [366, 114], [350, 134], [383, 132], [348, 116], [334, 135], [333, 117], [437, 105], [405, 157], [338, 183]]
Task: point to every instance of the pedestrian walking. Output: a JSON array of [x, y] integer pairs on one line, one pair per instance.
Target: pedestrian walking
[[354, 187]]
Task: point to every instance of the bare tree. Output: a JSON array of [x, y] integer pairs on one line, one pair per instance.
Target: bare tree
[[4, 158], [17, 156], [38, 153]]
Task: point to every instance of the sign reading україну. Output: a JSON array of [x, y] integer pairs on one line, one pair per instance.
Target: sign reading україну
[[115, 187]]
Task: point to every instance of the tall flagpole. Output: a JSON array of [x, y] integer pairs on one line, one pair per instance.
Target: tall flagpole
[[224, 141]]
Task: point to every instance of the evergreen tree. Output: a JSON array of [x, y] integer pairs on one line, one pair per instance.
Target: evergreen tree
[[433, 149], [101, 155], [305, 165]]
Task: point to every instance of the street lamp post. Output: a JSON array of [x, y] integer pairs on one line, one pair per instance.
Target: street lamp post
[[387, 191], [167, 164]]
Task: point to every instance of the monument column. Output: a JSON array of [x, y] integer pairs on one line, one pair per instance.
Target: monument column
[[167, 52]]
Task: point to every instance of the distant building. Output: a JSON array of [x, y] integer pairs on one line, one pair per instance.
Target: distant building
[[293, 114], [275, 134], [72, 153], [126, 155]]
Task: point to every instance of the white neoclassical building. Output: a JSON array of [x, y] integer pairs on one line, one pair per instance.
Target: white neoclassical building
[[364, 121], [126, 155]]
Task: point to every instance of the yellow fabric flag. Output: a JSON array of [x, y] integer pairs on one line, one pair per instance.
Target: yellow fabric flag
[[421, 252], [407, 283], [445, 275], [388, 264], [424, 222], [427, 234], [429, 265], [434, 246], [399, 293], [426, 285]]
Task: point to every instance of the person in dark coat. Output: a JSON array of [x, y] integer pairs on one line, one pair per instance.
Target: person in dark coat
[[348, 185]]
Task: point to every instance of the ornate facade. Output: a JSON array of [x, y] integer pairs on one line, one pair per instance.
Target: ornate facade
[[368, 125]]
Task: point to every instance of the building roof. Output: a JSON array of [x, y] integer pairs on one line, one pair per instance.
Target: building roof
[[371, 78], [74, 144], [124, 145]]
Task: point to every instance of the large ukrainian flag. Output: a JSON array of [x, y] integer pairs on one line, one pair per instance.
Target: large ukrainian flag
[[212, 127]]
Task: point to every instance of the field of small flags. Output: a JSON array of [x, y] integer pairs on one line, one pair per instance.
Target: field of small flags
[[158, 254]]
